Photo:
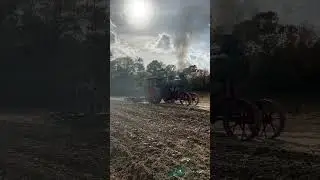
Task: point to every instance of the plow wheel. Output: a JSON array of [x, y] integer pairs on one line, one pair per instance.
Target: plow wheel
[[242, 119], [195, 98], [273, 119], [185, 98]]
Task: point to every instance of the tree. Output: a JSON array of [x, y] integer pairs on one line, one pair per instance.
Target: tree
[[123, 73], [283, 55], [124, 66], [156, 68], [140, 72], [46, 45], [138, 64], [170, 71]]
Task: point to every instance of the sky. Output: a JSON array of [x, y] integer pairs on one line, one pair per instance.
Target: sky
[[167, 12], [292, 11], [169, 17], [174, 18], [289, 11]]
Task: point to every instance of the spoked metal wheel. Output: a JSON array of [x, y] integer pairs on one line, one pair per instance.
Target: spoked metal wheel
[[242, 119], [195, 98], [185, 98], [273, 119]]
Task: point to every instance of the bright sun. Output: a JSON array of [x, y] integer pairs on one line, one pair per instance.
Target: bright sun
[[138, 13]]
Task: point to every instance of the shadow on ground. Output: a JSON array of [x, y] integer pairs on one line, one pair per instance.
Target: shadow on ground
[[42, 146], [232, 158]]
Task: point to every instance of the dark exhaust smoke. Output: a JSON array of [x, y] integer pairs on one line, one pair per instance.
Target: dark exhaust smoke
[[191, 21], [181, 46], [183, 35]]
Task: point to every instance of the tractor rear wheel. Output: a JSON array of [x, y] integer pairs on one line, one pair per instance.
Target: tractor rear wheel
[[185, 98], [274, 118], [195, 98]]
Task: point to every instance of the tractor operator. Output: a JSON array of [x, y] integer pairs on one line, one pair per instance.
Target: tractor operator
[[179, 83], [176, 84], [183, 82], [169, 86]]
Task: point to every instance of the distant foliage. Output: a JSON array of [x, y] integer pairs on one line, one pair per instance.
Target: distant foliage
[[280, 57], [48, 47], [128, 75]]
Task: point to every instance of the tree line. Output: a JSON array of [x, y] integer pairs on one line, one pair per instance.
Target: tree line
[[128, 75], [48, 47], [275, 57], [45, 51]]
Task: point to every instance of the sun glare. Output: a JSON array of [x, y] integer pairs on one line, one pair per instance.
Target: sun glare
[[138, 13]]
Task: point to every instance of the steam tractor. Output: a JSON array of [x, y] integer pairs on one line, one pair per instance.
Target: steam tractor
[[158, 89], [240, 117]]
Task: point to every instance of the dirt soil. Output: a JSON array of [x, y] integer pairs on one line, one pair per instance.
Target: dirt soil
[[294, 155], [147, 141], [42, 146]]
